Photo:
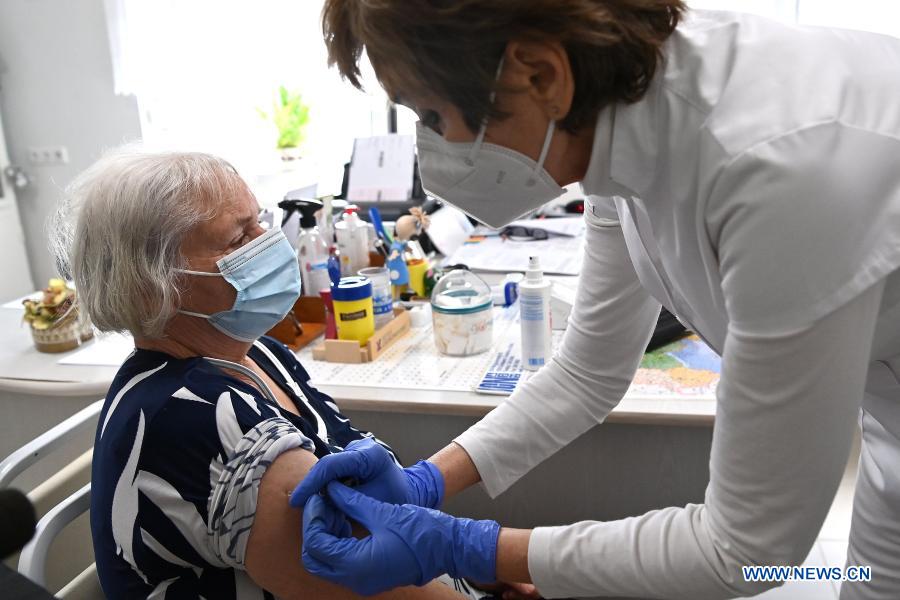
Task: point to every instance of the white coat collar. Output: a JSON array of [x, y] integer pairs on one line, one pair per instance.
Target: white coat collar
[[625, 150]]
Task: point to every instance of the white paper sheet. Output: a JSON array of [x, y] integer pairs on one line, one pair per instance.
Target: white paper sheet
[[381, 169], [567, 226], [110, 350], [559, 255], [449, 229], [413, 362]]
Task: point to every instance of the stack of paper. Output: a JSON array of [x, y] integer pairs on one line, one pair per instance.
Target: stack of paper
[[381, 169], [559, 255]]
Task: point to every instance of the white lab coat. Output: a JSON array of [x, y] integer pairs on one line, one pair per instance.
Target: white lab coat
[[755, 192]]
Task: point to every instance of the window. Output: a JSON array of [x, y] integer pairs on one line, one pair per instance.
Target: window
[[203, 70]]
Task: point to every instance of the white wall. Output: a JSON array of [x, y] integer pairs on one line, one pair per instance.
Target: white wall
[[56, 89]]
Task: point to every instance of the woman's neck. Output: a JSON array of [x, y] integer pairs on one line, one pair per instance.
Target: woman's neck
[[186, 337], [570, 154]]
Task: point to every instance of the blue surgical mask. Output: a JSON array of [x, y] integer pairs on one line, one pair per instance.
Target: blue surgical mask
[[266, 276]]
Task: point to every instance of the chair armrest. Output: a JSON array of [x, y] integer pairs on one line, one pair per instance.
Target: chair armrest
[[33, 559]]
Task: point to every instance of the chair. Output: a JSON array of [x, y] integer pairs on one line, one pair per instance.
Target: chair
[[52, 500], [14, 464], [33, 558]]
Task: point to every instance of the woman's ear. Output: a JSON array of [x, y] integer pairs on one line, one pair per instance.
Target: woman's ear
[[542, 70]]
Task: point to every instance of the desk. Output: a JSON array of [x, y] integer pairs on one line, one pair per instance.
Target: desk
[[655, 449], [651, 452]]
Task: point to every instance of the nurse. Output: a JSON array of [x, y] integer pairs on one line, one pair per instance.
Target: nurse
[[741, 172]]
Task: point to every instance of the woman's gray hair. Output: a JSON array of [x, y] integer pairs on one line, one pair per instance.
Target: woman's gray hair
[[119, 229]]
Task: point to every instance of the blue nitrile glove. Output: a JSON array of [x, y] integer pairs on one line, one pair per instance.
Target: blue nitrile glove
[[407, 544], [377, 475]]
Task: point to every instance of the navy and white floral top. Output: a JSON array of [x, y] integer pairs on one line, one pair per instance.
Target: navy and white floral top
[[180, 449]]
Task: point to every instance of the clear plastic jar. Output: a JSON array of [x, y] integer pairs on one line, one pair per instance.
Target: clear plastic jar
[[462, 314]]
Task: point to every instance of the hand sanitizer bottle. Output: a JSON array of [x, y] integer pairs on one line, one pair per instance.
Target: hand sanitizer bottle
[[312, 250], [534, 314]]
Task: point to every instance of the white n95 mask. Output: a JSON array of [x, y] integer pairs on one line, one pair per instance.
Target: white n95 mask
[[266, 276], [490, 183]]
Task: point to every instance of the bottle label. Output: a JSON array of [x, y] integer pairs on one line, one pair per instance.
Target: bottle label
[[531, 308], [536, 341], [354, 316], [383, 301]]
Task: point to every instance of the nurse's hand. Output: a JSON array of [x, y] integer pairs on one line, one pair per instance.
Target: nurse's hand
[[376, 474], [407, 544], [521, 591]]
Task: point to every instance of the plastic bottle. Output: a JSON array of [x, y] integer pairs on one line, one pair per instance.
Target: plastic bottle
[[334, 266], [353, 309], [353, 242], [417, 268], [361, 242], [312, 250], [330, 322], [534, 314], [326, 220], [382, 300]]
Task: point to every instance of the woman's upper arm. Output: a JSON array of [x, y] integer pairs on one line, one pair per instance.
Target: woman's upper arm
[[273, 550]]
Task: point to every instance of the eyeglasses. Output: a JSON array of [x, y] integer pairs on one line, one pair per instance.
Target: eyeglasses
[[518, 233]]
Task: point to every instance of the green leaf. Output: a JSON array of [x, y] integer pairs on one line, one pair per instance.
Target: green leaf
[[290, 116]]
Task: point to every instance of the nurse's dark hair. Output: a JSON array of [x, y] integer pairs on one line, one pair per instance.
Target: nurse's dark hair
[[451, 48]]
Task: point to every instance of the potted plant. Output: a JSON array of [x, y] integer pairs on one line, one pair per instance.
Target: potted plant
[[290, 116], [55, 322]]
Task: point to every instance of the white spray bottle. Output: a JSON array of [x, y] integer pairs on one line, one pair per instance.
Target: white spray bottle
[[534, 314], [312, 250], [353, 242]]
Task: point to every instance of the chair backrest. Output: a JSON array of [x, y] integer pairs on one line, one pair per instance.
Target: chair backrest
[[39, 447]]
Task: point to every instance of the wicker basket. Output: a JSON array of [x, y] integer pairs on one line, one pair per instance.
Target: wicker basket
[[67, 334]]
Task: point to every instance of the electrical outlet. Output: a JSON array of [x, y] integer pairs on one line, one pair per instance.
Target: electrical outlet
[[48, 155]]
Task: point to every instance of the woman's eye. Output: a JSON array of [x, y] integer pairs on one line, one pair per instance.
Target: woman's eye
[[432, 120]]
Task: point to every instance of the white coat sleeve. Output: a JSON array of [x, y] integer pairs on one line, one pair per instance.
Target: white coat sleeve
[[608, 330], [787, 409]]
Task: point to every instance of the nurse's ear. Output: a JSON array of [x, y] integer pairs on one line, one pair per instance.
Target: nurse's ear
[[543, 71]]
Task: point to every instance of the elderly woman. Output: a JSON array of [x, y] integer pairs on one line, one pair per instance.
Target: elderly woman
[[207, 426]]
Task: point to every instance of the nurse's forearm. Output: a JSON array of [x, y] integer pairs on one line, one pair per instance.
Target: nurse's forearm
[[457, 468], [512, 555], [459, 473]]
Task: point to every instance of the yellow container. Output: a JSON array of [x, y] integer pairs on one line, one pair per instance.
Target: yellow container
[[417, 268], [354, 312]]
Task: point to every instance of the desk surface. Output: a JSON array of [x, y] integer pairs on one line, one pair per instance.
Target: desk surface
[[24, 370]]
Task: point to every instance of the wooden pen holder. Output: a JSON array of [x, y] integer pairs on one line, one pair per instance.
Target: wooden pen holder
[[350, 351]]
